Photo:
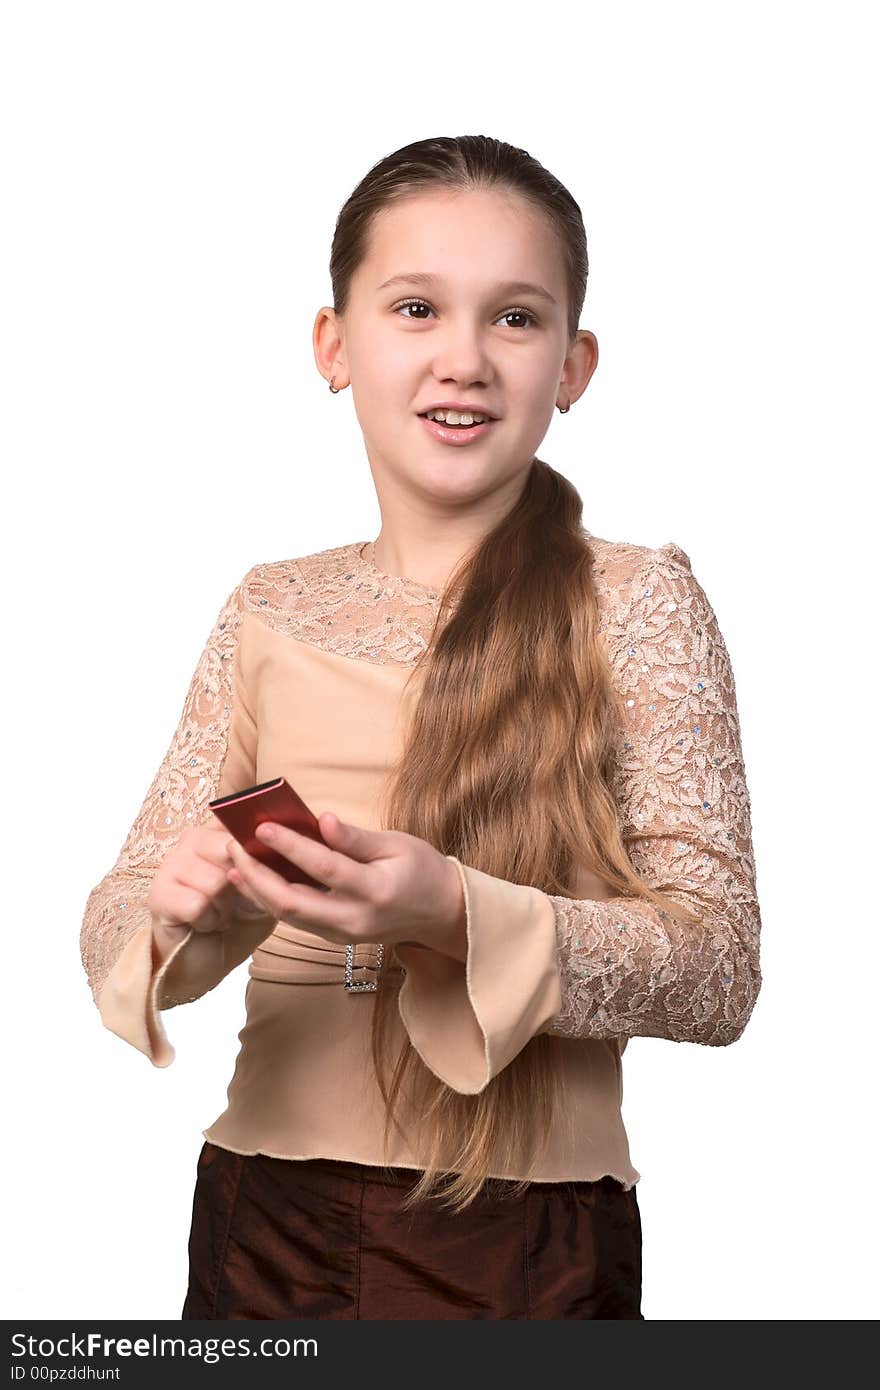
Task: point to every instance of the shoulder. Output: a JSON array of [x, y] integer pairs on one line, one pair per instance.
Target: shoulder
[[651, 605], [277, 584], [330, 599], [617, 566], [621, 569]]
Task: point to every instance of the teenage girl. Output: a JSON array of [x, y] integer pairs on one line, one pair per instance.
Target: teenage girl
[[523, 746]]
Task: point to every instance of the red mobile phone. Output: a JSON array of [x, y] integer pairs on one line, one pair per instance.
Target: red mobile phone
[[241, 813]]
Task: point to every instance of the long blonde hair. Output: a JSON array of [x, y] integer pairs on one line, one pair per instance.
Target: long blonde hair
[[508, 758]]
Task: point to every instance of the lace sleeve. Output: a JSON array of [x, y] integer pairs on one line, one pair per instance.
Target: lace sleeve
[[212, 752], [627, 969], [617, 967]]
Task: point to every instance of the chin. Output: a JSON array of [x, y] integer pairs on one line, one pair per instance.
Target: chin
[[464, 483]]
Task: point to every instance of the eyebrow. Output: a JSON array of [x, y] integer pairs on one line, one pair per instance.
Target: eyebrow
[[422, 277]]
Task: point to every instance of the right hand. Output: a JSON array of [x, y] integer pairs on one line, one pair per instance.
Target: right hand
[[191, 890]]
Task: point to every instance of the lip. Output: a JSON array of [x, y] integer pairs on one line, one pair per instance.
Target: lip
[[447, 434]]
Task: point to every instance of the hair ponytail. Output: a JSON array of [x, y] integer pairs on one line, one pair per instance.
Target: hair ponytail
[[508, 759]]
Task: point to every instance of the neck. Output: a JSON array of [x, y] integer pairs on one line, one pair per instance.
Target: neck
[[424, 542], [429, 564]]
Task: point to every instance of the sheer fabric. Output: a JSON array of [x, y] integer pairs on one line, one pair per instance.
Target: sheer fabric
[[330, 636]]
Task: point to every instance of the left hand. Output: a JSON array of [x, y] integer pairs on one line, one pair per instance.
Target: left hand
[[385, 885]]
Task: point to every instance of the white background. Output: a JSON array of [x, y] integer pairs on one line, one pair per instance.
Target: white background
[[171, 174]]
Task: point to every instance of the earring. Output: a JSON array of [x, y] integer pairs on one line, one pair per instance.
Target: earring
[[334, 389], [564, 409]]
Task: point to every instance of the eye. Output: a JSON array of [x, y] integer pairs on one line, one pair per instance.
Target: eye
[[423, 304]]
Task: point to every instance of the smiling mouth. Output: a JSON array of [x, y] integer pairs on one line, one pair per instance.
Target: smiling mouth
[[452, 436], [477, 424]]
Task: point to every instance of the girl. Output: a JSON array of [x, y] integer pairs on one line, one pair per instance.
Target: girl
[[523, 746]]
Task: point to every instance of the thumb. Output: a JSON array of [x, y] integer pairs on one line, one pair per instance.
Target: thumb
[[352, 840]]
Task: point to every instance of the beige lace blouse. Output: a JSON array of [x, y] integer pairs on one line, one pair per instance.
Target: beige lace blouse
[[304, 675]]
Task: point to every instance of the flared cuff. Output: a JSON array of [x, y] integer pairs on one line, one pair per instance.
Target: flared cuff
[[134, 993], [468, 1019], [128, 1002]]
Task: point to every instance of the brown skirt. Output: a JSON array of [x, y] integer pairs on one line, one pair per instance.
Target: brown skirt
[[323, 1238]]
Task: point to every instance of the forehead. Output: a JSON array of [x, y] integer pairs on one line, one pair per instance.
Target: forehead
[[465, 238]]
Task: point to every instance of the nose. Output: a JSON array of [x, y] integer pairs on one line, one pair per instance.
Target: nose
[[462, 359]]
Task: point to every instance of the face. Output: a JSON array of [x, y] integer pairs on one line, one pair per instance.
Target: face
[[462, 336]]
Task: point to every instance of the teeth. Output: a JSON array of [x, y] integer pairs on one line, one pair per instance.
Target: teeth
[[455, 417]]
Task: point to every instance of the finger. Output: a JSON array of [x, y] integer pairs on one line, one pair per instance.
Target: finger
[[202, 874], [196, 910], [286, 899], [232, 902], [320, 861], [223, 901], [215, 852], [235, 904], [354, 841], [210, 844], [247, 905]]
